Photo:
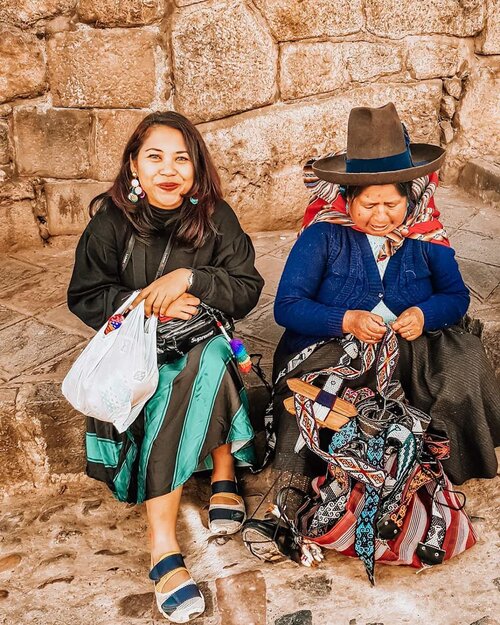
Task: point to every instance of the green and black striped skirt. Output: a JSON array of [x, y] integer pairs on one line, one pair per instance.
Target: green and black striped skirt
[[199, 405]]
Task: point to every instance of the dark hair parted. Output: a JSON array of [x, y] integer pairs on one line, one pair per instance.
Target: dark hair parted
[[195, 219]]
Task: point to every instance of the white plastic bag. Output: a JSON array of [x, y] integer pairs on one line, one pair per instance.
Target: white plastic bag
[[117, 372]]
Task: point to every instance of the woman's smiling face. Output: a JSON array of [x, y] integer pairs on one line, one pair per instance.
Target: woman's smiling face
[[378, 209], [164, 167]]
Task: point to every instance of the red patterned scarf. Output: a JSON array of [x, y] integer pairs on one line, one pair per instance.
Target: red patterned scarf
[[422, 223]]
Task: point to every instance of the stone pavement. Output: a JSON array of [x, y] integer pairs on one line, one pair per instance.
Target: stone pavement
[[70, 554]]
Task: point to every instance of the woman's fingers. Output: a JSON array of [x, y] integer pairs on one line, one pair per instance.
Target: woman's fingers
[[163, 305], [187, 298], [191, 310], [151, 305], [142, 295]]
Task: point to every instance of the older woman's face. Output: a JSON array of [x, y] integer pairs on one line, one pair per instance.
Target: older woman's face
[[164, 167], [378, 209]]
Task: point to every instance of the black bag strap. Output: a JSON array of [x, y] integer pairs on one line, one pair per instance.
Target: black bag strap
[[128, 253], [166, 253], [140, 258]]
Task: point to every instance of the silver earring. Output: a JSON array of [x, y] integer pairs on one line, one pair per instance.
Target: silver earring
[[136, 191]]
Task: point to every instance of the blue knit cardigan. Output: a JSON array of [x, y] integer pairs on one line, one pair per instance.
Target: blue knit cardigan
[[331, 269]]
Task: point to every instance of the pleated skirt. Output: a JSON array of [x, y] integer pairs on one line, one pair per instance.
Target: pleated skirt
[[199, 405], [445, 373]]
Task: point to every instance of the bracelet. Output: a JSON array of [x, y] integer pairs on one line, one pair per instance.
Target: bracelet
[[190, 280]]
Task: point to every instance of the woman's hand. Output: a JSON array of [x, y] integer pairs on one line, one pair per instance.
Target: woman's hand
[[162, 292], [364, 325], [410, 323], [184, 307]]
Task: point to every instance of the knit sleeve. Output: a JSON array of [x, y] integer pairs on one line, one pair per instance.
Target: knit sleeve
[[450, 298], [230, 282], [295, 307], [95, 291]]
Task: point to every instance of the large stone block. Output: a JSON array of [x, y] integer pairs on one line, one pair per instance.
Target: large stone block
[[366, 61], [68, 205], [311, 68], [112, 130], [319, 67], [15, 271], [52, 142], [60, 426], [477, 134], [14, 470], [25, 12], [112, 13], [482, 176], [15, 190], [251, 148], [241, 598], [488, 41], [22, 66], [19, 226], [102, 68], [432, 57], [389, 18], [290, 20], [27, 344], [225, 60], [4, 142]]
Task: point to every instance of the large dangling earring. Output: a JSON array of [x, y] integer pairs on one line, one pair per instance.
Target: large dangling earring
[[194, 200], [136, 191]]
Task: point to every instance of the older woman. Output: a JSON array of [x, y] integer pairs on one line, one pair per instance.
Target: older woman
[[374, 255], [167, 194]]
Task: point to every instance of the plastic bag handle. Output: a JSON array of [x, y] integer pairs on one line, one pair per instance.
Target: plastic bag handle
[[127, 302]]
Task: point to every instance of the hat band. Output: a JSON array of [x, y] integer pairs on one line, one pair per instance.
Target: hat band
[[379, 165]]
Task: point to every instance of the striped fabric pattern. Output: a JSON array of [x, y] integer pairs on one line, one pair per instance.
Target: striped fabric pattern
[[200, 404]]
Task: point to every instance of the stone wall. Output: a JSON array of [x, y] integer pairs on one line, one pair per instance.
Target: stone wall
[[270, 83]]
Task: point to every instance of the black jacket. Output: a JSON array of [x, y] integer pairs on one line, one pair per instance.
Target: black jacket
[[224, 275]]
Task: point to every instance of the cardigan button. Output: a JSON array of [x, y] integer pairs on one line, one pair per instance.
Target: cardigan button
[[381, 295]]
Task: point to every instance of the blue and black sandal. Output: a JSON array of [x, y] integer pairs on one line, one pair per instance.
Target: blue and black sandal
[[227, 515], [184, 602]]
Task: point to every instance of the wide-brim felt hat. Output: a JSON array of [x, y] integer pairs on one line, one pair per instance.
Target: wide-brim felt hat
[[378, 151]]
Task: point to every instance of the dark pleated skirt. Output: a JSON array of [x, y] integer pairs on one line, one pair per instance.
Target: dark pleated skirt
[[444, 373], [200, 404]]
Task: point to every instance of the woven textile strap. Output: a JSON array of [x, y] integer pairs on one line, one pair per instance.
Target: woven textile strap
[[364, 543]]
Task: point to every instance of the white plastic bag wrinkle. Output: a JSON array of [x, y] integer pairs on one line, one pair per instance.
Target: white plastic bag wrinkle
[[116, 373]]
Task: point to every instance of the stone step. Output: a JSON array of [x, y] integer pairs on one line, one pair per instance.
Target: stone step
[[482, 176]]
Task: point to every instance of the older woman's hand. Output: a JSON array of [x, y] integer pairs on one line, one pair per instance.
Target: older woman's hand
[[162, 292], [410, 323], [364, 325]]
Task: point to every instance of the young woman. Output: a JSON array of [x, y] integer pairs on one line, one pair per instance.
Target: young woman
[[168, 190]]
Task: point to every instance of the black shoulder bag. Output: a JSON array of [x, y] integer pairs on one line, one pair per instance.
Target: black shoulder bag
[[177, 336]]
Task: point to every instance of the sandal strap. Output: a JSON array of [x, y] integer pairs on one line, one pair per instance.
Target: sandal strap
[[163, 580], [177, 598], [238, 500], [226, 514], [224, 486], [166, 565]]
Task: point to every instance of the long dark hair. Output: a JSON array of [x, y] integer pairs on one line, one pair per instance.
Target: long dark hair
[[195, 223]]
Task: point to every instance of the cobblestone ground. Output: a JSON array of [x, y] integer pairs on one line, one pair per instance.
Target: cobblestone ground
[[71, 555]]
